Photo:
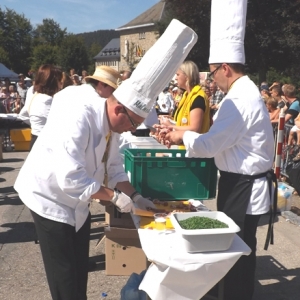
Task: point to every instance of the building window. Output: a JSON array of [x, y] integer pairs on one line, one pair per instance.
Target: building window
[[142, 35]]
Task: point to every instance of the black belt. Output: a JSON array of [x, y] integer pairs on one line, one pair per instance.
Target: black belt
[[271, 177]]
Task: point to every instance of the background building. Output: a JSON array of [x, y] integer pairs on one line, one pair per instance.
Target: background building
[[109, 55], [137, 36]]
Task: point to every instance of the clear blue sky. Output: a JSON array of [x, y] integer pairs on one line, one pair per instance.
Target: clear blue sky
[[80, 16]]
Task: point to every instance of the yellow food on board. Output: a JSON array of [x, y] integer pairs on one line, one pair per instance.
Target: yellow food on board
[[149, 223]]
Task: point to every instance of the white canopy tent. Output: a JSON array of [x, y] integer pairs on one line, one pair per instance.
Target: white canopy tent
[[6, 73]]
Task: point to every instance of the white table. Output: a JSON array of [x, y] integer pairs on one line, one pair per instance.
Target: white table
[[178, 275], [15, 117]]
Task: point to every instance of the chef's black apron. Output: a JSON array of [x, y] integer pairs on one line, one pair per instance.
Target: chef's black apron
[[234, 193]]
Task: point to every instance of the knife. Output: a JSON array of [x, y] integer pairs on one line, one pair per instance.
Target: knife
[[151, 128]]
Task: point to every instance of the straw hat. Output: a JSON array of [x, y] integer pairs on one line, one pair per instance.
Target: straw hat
[[106, 75]]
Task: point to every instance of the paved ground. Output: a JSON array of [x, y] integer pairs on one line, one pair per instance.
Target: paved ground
[[21, 270]]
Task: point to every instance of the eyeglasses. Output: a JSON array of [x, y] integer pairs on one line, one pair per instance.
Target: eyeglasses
[[212, 74], [134, 125]]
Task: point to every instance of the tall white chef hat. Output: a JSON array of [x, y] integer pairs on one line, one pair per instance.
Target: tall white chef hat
[[227, 31], [156, 69]]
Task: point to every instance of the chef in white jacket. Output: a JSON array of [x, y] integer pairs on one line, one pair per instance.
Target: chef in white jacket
[[240, 140], [76, 158]]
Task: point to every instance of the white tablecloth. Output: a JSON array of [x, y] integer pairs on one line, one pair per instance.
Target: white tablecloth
[[14, 117], [178, 275]]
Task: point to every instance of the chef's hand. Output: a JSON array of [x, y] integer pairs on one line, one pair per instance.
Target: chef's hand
[[174, 138], [122, 201], [142, 202]]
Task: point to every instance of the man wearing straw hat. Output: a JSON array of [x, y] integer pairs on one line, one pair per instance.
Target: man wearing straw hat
[[76, 158], [240, 140], [104, 80]]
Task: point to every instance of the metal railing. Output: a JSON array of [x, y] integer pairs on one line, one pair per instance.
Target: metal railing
[[284, 153]]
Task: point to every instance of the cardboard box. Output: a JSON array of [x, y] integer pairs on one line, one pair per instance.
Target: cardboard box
[[116, 219], [123, 252]]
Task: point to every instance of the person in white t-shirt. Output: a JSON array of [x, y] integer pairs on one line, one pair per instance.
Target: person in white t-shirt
[[165, 102], [47, 83]]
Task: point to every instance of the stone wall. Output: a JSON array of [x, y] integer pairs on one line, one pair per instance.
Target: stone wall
[[139, 41]]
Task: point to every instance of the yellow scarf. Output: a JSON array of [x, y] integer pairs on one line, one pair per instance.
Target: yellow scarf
[[182, 114]]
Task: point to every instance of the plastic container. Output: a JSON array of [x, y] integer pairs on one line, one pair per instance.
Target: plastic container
[[20, 135], [169, 175], [146, 143], [284, 195], [205, 240], [22, 146]]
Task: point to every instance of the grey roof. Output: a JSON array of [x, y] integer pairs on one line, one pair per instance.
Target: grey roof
[[147, 18], [110, 52]]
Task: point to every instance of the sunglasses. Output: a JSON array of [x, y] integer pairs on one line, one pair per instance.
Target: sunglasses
[[134, 125], [212, 74]]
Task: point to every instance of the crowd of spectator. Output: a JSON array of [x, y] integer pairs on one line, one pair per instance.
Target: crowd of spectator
[[13, 94], [276, 96], [283, 97]]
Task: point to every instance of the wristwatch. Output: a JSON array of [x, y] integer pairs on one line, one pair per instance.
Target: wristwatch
[[133, 195]]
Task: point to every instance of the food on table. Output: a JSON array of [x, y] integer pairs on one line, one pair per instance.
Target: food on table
[[156, 210], [160, 221], [201, 223], [171, 207], [156, 201], [160, 134]]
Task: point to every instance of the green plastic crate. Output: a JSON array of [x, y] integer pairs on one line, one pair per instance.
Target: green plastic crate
[[171, 178]]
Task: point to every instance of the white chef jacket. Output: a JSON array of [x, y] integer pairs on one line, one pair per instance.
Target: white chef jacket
[[64, 168], [240, 140], [37, 109]]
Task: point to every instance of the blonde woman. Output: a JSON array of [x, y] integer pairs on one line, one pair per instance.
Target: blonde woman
[[193, 112]]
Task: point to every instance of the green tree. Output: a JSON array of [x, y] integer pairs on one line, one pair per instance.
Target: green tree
[[49, 32], [272, 33], [44, 54], [93, 50], [195, 14], [4, 57], [272, 38], [15, 38], [73, 54]]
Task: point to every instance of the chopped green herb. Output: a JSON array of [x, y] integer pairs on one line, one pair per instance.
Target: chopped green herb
[[201, 223]]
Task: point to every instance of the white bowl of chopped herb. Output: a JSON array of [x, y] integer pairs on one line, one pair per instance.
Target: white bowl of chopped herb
[[205, 231]]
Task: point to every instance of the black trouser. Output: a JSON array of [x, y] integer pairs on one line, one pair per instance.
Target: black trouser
[[233, 199], [65, 254]]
